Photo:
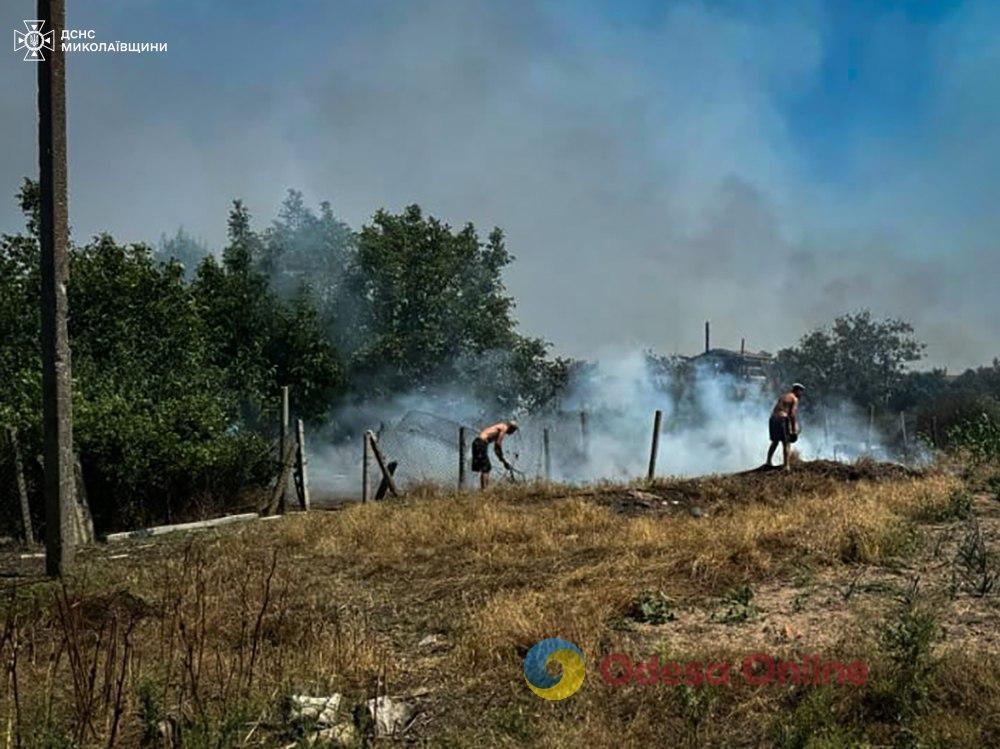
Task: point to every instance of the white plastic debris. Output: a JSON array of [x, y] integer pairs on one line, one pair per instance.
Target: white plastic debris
[[321, 711], [391, 717]]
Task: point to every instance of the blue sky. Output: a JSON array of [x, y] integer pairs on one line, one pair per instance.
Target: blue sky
[[767, 165]]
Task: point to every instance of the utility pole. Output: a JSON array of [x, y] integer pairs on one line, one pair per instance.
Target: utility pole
[[57, 407]]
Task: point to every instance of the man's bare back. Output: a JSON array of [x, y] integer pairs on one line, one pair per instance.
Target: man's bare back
[[495, 433], [787, 405], [480, 454]]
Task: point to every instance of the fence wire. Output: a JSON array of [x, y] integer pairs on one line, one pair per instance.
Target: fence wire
[[595, 444], [425, 446]]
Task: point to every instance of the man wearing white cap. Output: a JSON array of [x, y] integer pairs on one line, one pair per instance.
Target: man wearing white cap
[[783, 426]]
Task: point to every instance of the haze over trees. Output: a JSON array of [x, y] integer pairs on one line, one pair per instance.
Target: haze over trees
[[180, 354], [857, 358], [177, 369]]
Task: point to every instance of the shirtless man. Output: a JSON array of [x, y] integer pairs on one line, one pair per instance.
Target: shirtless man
[[783, 425], [480, 449]]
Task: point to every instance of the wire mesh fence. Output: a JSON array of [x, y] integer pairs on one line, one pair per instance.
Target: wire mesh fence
[[582, 446]]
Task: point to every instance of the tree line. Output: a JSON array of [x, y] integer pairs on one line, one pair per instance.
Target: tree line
[[179, 355]]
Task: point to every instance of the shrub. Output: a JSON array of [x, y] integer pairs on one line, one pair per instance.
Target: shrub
[[978, 439], [651, 607]]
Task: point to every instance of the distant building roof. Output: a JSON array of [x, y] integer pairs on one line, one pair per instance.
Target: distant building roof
[[749, 364], [724, 353]]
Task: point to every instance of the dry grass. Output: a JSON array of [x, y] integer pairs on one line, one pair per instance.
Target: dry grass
[[211, 633]]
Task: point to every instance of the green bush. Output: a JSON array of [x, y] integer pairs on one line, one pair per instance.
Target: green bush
[[651, 607], [978, 439], [175, 383]]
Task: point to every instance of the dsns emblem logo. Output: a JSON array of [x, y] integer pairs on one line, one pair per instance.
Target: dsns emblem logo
[[541, 682], [34, 41]]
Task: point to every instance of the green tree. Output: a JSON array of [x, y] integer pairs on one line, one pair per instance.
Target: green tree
[[260, 341], [434, 312], [164, 369], [182, 248], [301, 248], [858, 357], [20, 362], [153, 413]]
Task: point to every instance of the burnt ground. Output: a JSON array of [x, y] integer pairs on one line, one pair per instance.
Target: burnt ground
[[714, 494]]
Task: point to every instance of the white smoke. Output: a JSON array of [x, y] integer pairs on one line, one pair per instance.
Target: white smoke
[[602, 430]]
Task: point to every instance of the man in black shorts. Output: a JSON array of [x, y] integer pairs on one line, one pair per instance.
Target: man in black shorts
[[480, 449], [783, 426]]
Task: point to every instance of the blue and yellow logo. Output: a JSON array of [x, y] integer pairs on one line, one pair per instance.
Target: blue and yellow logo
[[536, 673]]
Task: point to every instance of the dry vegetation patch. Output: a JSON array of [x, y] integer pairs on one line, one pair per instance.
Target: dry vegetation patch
[[438, 597]]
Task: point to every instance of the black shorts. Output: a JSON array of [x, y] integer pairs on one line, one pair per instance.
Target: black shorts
[[777, 427], [480, 456]]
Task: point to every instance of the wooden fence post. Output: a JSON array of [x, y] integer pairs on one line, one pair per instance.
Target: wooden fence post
[[276, 500], [283, 440], [902, 429], [871, 427], [380, 459], [365, 460], [304, 499], [84, 520], [655, 448], [584, 435], [461, 458], [22, 489], [383, 486], [934, 432], [547, 454]]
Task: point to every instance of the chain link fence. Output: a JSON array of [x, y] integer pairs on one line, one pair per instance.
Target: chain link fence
[[582, 446]]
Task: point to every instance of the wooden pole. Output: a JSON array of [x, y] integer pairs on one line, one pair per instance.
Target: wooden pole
[[304, 498], [708, 328], [461, 458], [584, 435], [547, 454], [276, 501], [57, 406], [871, 426], [934, 431], [655, 448], [22, 489], [283, 440], [159, 530], [902, 430], [84, 521], [383, 485], [365, 461], [284, 418], [380, 459]]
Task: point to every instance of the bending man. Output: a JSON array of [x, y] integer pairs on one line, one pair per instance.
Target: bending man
[[480, 449], [783, 426]]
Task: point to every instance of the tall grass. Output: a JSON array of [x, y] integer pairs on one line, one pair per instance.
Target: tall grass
[[205, 638]]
